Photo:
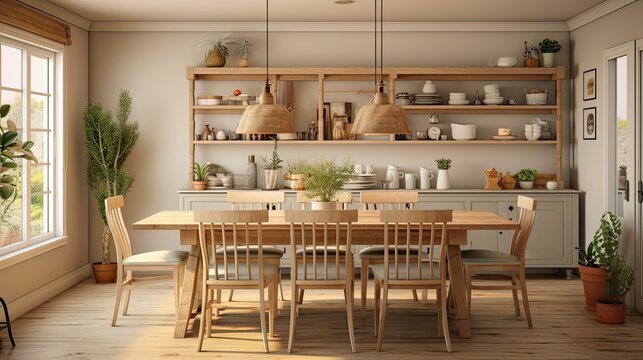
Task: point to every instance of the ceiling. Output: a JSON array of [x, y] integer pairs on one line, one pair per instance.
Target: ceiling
[[327, 10]]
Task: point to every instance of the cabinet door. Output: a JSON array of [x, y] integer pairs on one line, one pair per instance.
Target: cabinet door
[[547, 240], [425, 204], [484, 239], [204, 202]]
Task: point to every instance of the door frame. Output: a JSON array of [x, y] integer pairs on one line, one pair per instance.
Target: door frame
[[638, 113]]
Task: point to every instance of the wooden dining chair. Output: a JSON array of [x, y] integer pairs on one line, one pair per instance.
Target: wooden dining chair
[[403, 270], [259, 200], [239, 268], [381, 200], [128, 263], [500, 263], [319, 230]]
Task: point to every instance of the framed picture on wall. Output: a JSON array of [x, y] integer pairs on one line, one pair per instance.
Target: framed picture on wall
[[589, 123], [589, 84]]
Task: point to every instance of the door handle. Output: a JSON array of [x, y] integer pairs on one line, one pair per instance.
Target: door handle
[[639, 191], [627, 190]]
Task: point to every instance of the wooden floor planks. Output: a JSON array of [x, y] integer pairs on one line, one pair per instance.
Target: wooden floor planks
[[75, 325]]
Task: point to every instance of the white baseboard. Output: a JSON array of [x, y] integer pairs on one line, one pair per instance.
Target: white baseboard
[[32, 300]]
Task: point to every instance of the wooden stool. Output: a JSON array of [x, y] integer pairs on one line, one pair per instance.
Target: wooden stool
[[6, 324]]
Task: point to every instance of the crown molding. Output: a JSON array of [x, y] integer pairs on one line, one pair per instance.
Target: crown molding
[[327, 27], [58, 12], [597, 12]]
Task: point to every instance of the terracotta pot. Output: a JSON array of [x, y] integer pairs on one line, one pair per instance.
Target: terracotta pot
[[323, 205], [610, 313], [593, 285], [104, 273], [298, 181], [244, 62], [199, 185], [214, 59]]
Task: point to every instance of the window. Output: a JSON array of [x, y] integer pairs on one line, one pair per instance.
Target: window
[[27, 75]]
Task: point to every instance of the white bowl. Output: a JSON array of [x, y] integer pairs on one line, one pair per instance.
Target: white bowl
[[491, 88], [457, 96], [289, 136], [491, 95], [458, 102], [463, 132], [494, 101]]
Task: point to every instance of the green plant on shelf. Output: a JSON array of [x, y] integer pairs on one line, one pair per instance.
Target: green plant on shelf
[[549, 46], [201, 171], [274, 162], [527, 174], [325, 178], [443, 163]]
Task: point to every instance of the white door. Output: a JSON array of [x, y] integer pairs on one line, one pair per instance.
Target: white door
[[623, 149], [638, 111]]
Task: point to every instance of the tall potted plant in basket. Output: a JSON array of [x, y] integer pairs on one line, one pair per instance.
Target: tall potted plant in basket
[[218, 51], [325, 178], [271, 168], [11, 148], [610, 308], [109, 142]]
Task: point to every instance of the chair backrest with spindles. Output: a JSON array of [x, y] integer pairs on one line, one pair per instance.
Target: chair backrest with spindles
[[321, 231], [388, 200], [344, 198], [114, 214], [527, 207], [236, 230], [409, 229], [256, 200]]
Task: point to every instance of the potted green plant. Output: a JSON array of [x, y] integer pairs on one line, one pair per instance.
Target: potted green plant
[[547, 49], [245, 47], [526, 178], [592, 274], [109, 142], [610, 308], [11, 148], [218, 51], [325, 178], [271, 168], [296, 175], [444, 165], [200, 173]]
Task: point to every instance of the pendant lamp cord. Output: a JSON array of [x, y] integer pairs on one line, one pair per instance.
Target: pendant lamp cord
[[381, 39], [266, 41], [375, 43]]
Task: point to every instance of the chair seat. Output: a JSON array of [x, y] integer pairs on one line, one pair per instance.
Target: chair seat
[[330, 267], [378, 271], [488, 257], [268, 252], [159, 257], [268, 272], [378, 252], [331, 250]]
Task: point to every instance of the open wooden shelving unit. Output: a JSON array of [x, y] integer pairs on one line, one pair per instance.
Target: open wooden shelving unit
[[391, 75]]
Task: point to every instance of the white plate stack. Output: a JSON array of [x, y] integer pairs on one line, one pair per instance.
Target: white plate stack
[[427, 99], [214, 182], [458, 99], [492, 95], [363, 181]]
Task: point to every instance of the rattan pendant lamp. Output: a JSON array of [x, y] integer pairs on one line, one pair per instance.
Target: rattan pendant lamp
[[380, 117], [266, 117]]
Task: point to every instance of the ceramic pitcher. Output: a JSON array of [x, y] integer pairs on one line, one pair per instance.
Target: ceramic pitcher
[[393, 176], [426, 175]]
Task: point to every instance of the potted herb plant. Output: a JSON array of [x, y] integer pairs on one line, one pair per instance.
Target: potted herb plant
[[592, 274], [109, 142], [610, 308], [444, 165], [11, 148], [526, 178], [245, 47], [271, 168], [325, 178], [296, 175], [547, 49], [218, 51], [200, 173]]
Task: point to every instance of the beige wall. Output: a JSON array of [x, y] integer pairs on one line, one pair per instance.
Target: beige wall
[[588, 44], [152, 66], [26, 277]]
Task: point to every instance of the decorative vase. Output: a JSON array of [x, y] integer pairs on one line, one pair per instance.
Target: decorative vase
[[429, 87], [271, 176], [548, 59], [610, 313], [244, 62], [207, 133], [323, 205], [594, 280], [199, 185], [526, 184], [532, 63], [338, 130], [214, 59], [104, 273], [298, 181], [443, 180]]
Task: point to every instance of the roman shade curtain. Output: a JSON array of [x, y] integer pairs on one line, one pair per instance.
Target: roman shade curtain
[[22, 17]]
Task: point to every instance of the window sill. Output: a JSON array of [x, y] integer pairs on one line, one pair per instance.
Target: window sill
[[32, 251]]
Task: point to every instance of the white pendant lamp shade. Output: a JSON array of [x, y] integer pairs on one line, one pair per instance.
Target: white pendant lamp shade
[[266, 117], [381, 117]]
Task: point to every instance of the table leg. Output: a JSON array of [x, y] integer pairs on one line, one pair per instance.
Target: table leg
[[190, 281], [456, 277]]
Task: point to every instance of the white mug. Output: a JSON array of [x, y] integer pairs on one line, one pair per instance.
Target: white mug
[[368, 169], [409, 181], [425, 178], [359, 169], [503, 61]]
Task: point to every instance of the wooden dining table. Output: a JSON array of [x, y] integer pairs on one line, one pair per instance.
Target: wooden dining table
[[368, 230]]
